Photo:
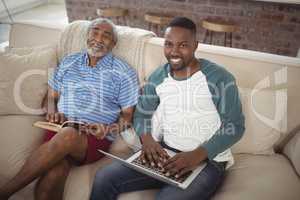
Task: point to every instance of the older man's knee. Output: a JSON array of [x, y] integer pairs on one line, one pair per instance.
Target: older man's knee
[[66, 138]]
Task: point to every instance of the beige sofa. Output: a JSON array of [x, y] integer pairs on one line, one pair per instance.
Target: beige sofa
[[267, 159]]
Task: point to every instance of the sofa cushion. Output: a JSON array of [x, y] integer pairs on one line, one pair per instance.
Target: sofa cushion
[[79, 182], [262, 132], [23, 79], [252, 177], [138, 195], [129, 46], [260, 177], [34, 33], [292, 151], [21, 51], [73, 38], [18, 139]]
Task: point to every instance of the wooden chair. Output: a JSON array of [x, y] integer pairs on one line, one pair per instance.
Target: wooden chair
[[157, 22], [217, 25], [119, 14]]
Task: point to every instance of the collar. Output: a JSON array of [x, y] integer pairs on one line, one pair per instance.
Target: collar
[[170, 74], [105, 62]]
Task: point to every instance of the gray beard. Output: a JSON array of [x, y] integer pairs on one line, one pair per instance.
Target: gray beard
[[94, 53]]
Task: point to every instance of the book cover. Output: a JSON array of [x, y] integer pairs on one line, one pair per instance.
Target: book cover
[[56, 127]]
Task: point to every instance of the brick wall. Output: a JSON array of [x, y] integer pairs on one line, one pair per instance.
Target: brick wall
[[264, 26]]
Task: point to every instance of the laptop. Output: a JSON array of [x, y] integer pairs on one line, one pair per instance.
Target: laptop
[[133, 162]]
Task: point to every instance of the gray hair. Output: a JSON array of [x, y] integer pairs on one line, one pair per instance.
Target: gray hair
[[98, 21]]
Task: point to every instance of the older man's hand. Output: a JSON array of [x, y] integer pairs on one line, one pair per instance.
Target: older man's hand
[[55, 117]]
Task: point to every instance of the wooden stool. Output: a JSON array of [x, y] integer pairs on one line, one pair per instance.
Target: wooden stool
[[156, 22], [114, 13], [217, 25]]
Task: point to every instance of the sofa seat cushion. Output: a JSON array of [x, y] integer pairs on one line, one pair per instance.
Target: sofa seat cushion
[[292, 151], [144, 195], [80, 180], [18, 139], [260, 177], [252, 177]]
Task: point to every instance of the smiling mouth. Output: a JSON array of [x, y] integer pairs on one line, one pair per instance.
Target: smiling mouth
[[175, 60]]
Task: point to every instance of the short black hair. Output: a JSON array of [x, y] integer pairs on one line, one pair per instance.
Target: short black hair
[[183, 22]]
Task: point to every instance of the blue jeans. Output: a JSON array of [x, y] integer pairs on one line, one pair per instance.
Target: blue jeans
[[115, 179]]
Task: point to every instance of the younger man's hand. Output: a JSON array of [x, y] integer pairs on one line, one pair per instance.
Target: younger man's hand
[[184, 162], [152, 151]]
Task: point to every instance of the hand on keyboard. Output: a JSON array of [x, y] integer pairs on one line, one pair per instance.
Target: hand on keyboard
[[159, 170], [152, 151], [184, 162]]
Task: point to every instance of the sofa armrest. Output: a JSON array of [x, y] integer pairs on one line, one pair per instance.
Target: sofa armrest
[[292, 151]]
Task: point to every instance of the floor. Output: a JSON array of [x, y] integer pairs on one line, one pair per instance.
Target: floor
[[50, 13]]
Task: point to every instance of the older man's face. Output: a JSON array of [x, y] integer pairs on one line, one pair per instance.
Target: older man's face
[[100, 40]]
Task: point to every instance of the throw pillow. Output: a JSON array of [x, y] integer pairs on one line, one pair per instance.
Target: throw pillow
[[28, 50], [23, 81], [262, 127]]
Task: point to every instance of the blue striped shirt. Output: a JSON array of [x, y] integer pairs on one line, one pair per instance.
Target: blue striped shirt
[[94, 94]]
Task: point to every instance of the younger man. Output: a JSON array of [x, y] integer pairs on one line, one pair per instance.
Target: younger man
[[197, 113]]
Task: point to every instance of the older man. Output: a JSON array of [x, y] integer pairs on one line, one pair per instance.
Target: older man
[[198, 114], [93, 87]]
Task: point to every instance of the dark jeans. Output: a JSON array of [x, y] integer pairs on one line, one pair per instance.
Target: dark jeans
[[115, 179]]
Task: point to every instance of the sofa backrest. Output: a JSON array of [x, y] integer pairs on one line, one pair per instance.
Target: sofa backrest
[[269, 84], [31, 34]]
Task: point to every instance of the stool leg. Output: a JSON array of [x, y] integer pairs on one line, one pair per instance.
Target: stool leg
[[211, 37], [225, 39], [157, 30], [205, 36], [230, 39], [124, 20], [149, 26]]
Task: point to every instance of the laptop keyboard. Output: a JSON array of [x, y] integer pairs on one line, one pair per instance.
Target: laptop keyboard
[[158, 170]]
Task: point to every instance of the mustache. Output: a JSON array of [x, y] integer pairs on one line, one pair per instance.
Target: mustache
[[99, 46], [96, 45]]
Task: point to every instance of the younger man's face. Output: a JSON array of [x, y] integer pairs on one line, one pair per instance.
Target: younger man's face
[[100, 40], [179, 47]]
